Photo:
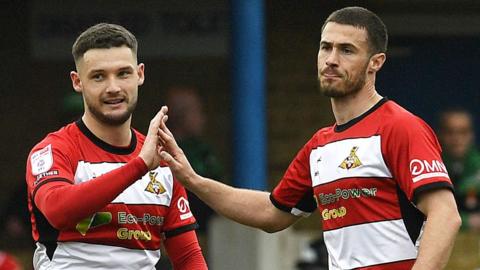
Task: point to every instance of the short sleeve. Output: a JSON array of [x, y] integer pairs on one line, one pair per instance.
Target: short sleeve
[[179, 218], [50, 160], [294, 192], [414, 156]]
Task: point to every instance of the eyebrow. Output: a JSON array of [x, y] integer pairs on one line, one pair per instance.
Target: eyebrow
[[125, 68], [345, 44]]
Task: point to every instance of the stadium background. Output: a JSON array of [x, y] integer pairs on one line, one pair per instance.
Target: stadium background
[[432, 64]]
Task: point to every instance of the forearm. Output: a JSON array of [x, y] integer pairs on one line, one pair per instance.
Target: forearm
[[249, 207], [437, 240], [64, 204]]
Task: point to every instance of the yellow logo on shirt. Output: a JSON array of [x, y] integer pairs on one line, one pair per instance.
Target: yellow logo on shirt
[[126, 234], [352, 161], [334, 213], [154, 186]]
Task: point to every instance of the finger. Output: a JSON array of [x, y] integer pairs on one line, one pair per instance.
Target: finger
[[164, 127], [168, 140], [157, 119], [165, 156], [161, 113], [161, 142]]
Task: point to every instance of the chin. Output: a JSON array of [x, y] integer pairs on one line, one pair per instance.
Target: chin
[[332, 92], [119, 120], [114, 119]]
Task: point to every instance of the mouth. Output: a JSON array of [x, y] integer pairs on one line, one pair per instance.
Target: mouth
[[330, 74], [330, 77], [114, 101]]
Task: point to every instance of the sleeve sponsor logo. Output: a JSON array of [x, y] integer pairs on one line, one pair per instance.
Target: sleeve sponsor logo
[[40, 176], [424, 169], [42, 160], [184, 208]]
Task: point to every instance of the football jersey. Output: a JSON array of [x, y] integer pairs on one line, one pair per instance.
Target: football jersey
[[125, 234], [365, 177]]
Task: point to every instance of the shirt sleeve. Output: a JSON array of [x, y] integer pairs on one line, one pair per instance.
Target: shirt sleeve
[[294, 192], [179, 218], [51, 187], [49, 161], [185, 252], [414, 156]]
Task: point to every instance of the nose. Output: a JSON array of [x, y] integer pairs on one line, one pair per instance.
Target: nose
[[332, 58], [113, 86]]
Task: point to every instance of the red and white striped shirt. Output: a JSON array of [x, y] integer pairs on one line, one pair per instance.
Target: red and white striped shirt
[[117, 223], [364, 177]]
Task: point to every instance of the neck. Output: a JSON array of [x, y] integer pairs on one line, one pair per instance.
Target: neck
[[114, 135], [351, 106]]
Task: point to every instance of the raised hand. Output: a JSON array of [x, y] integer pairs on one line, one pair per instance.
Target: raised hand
[[151, 146], [171, 153]]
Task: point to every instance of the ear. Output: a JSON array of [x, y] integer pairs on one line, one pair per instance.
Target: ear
[[376, 62], [141, 73], [76, 83]]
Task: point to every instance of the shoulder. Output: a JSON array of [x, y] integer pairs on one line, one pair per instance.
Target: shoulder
[[321, 136], [63, 139], [58, 146], [398, 119]]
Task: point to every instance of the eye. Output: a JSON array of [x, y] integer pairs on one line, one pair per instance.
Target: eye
[[324, 46], [347, 50], [124, 73], [97, 77]]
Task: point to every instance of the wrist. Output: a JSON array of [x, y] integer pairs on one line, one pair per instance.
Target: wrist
[[192, 180], [144, 160], [141, 162]]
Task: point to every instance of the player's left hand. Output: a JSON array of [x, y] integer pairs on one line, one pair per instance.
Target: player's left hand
[[174, 156]]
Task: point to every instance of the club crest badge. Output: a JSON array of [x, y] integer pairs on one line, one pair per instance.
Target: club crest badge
[[154, 186], [352, 161]]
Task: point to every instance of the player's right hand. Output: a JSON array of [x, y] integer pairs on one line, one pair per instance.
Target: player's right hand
[[150, 149]]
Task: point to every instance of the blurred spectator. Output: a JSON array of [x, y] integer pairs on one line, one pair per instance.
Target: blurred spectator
[[314, 256], [186, 119], [15, 220], [9, 262], [462, 160]]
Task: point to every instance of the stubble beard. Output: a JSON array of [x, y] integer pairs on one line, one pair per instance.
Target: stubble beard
[[351, 87], [112, 119]]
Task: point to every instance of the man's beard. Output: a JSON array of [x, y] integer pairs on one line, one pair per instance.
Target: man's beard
[[351, 86], [112, 120]]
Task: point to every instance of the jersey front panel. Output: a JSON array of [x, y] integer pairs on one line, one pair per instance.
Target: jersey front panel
[[128, 229], [364, 180]]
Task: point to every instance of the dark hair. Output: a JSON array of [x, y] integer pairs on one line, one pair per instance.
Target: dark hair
[[103, 36], [363, 18]]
